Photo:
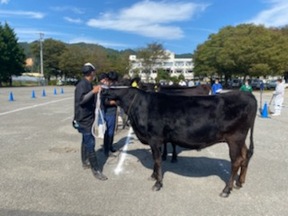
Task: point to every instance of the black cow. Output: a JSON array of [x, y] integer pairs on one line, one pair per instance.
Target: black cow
[[192, 122], [202, 89]]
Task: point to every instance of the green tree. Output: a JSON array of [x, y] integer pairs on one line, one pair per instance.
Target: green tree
[[119, 61], [12, 58], [162, 75], [152, 56], [105, 60], [244, 50], [52, 51], [71, 61]]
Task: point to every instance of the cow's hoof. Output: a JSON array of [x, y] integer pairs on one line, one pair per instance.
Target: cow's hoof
[[224, 194], [157, 186], [238, 185]]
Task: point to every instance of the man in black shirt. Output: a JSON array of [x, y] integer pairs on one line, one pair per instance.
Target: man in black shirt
[[84, 117]]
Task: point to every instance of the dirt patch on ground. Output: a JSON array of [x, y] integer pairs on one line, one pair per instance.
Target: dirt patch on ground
[[63, 150]]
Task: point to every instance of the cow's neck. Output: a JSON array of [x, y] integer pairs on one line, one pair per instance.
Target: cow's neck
[[127, 101], [131, 104]]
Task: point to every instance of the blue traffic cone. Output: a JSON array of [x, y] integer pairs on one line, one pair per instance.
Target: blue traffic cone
[[33, 94], [264, 113], [11, 97], [55, 91], [43, 93], [62, 91]]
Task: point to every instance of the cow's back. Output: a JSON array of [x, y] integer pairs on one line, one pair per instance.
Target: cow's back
[[202, 120]]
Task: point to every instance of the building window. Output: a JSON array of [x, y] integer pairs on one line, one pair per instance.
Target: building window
[[167, 64], [179, 63]]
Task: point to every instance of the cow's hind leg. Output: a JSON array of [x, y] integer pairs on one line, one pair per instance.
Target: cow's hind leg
[[164, 153], [174, 154], [157, 170], [235, 148], [244, 166]]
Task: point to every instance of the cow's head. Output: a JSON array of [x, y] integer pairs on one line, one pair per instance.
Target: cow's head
[[123, 95], [114, 92]]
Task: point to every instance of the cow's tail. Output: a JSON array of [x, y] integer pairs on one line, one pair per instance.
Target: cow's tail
[[251, 146]]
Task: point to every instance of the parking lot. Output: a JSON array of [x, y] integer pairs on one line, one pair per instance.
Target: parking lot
[[41, 172]]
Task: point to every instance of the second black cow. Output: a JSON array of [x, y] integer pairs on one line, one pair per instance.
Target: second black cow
[[192, 122]]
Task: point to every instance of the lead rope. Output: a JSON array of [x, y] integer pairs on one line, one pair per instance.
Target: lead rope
[[129, 109], [98, 112]]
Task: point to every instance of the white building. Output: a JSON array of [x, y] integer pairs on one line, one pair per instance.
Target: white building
[[174, 66]]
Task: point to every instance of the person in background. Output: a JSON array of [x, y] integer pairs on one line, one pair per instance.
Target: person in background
[[190, 83], [278, 97], [84, 117], [246, 87], [216, 87], [110, 114], [182, 83]]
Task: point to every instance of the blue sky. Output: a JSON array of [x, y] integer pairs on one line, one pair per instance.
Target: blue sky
[[180, 25]]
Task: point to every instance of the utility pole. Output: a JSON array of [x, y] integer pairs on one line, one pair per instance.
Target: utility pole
[[41, 54]]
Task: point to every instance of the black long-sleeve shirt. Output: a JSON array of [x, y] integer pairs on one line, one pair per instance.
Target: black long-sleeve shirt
[[85, 101]]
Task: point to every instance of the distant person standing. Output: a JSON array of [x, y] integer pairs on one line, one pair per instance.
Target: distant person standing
[[216, 87], [190, 83], [246, 87], [278, 97], [182, 83], [84, 117]]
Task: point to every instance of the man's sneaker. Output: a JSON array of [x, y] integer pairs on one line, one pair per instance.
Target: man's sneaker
[[275, 114]]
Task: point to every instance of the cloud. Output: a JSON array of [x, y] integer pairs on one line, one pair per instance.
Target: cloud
[[71, 20], [102, 43], [275, 16], [68, 8], [4, 1], [24, 14], [31, 34], [150, 18]]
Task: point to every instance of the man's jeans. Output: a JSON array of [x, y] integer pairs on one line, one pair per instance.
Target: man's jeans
[[88, 140], [110, 124]]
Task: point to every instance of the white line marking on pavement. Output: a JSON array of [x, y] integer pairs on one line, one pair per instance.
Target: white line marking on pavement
[[123, 154], [32, 107], [70, 117]]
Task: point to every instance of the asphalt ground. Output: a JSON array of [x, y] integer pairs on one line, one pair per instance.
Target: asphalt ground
[[41, 172]]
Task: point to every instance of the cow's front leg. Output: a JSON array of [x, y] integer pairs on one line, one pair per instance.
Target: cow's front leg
[[157, 170]]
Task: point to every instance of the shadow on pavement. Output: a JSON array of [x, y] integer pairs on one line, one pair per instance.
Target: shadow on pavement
[[195, 167]]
